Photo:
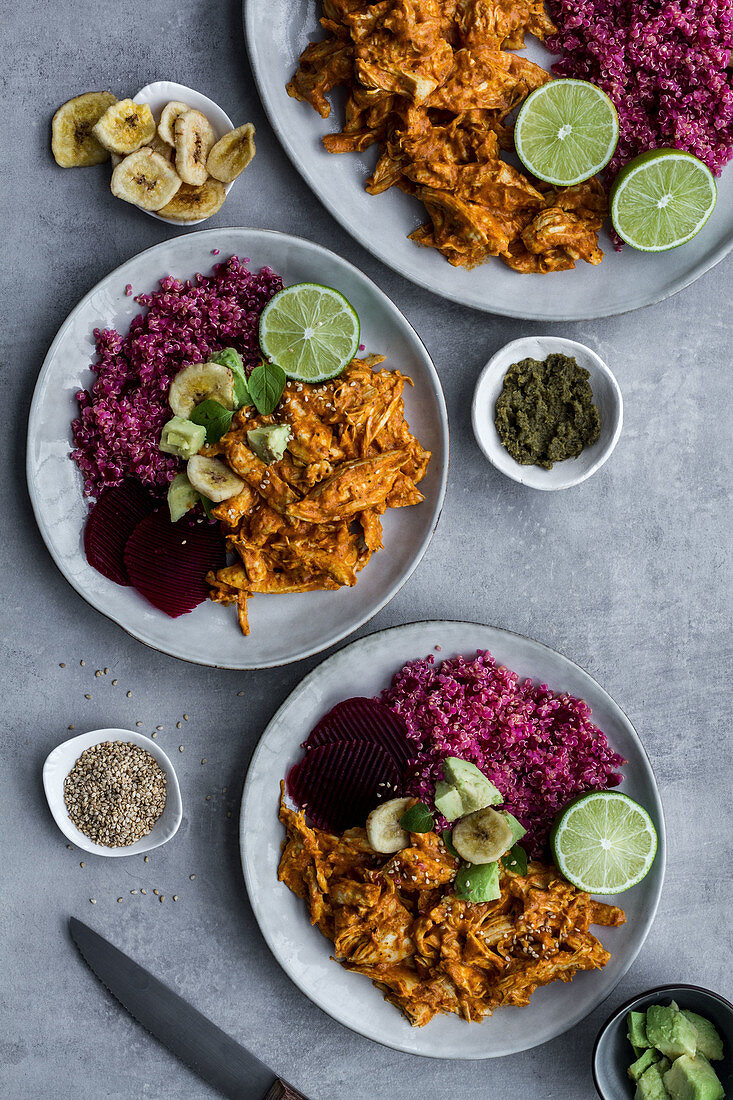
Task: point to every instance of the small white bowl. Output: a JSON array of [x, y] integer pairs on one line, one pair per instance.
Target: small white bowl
[[606, 395], [163, 91], [60, 762]]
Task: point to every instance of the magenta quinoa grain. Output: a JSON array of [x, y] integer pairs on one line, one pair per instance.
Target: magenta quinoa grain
[[665, 65], [117, 432], [536, 745]]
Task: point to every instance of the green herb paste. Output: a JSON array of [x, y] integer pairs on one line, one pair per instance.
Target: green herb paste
[[545, 411]]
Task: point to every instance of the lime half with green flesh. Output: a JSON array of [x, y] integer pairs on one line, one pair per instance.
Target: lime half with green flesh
[[662, 199], [566, 131], [604, 842], [311, 331]]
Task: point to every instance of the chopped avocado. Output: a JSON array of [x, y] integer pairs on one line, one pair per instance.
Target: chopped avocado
[[478, 882], [636, 1033], [447, 800], [693, 1078], [181, 497], [650, 1086], [182, 437], [669, 1031], [648, 1058], [518, 830], [269, 442], [475, 789], [709, 1042]]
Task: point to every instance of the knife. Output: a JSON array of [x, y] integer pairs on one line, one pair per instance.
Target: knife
[[193, 1038]]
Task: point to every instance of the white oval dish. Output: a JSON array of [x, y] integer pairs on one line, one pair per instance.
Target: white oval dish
[[606, 395], [61, 760], [284, 628], [365, 667], [163, 91]]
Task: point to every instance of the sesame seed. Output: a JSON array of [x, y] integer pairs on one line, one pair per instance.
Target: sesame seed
[[82, 663], [143, 891], [203, 759], [82, 863], [178, 725], [185, 718], [129, 694], [133, 891], [175, 897], [87, 696], [93, 901], [146, 859], [115, 683], [156, 892], [208, 798], [119, 901], [62, 664], [180, 748], [192, 877], [159, 727]]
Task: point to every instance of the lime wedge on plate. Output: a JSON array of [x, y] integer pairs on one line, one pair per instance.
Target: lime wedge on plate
[[311, 331], [566, 131], [662, 199], [604, 842]]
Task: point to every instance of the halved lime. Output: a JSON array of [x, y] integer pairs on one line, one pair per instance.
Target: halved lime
[[604, 842], [662, 199], [311, 331], [566, 131]]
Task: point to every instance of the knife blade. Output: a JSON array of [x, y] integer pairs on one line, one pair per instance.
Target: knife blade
[[194, 1039]]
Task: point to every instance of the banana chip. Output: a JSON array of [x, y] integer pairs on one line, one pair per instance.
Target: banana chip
[[194, 138], [146, 179], [232, 153], [73, 143], [189, 204], [168, 117], [125, 126], [159, 146]]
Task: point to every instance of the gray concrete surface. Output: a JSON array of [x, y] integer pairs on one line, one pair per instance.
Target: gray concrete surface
[[628, 574]]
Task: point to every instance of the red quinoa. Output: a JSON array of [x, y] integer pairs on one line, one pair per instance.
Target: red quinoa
[[664, 63], [116, 435], [536, 745]]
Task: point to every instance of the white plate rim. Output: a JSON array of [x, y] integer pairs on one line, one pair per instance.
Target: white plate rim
[[264, 919], [390, 592], [709, 261]]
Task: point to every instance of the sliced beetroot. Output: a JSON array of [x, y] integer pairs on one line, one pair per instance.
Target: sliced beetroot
[[361, 719], [168, 562], [110, 523], [338, 785]]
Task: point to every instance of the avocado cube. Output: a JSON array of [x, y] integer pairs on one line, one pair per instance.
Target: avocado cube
[[669, 1031], [709, 1042], [636, 1033], [693, 1078], [478, 882], [269, 442], [637, 1068], [650, 1086], [475, 789], [518, 830], [448, 800]]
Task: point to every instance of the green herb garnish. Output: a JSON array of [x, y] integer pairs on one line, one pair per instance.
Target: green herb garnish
[[208, 505], [447, 836], [418, 819], [241, 391], [214, 417], [266, 384], [516, 860]]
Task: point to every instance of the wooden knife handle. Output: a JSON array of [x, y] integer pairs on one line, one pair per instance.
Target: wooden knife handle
[[281, 1090]]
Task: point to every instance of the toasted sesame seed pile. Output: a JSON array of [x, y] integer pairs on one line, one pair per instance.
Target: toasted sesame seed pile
[[115, 793]]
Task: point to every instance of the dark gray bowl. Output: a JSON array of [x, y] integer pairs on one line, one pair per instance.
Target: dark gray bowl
[[612, 1053]]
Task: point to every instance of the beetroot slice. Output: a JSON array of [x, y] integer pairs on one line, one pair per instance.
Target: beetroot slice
[[361, 719], [338, 785], [110, 523], [167, 562]]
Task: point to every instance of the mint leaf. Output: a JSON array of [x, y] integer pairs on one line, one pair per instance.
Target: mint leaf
[[447, 835], [241, 393], [266, 384], [418, 819], [214, 417], [516, 860], [208, 505], [228, 357]]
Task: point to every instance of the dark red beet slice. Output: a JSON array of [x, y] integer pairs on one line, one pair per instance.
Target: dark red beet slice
[[361, 719], [338, 785], [111, 522], [167, 562]]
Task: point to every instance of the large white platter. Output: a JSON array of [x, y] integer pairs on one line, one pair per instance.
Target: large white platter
[[284, 628], [363, 668], [277, 33]]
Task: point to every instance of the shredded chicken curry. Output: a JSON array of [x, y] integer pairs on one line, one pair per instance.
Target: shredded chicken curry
[[396, 920], [312, 520], [432, 83]]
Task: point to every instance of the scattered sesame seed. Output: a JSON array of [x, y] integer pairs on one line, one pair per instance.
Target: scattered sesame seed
[[223, 790], [153, 735], [192, 877], [119, 901], [178, 725], [162, 897], [87, 696], [208, 798], [240, 693], [229, 813], [70, 727], [82, 863], [62, 664], [146, 859], [115, 683], [82, 663], [129, 695], [203, 759], [180, 748], [93, 901], [159, 727], [185, 718], [138, 723], [143, 891], [156, 892], [70, 847], [133, 891], [98, 672], [106, 672]]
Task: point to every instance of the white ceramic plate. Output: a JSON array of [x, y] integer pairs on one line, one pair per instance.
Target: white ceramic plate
[[277, 33], [364, 668], [284, 628], [606, 395]]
